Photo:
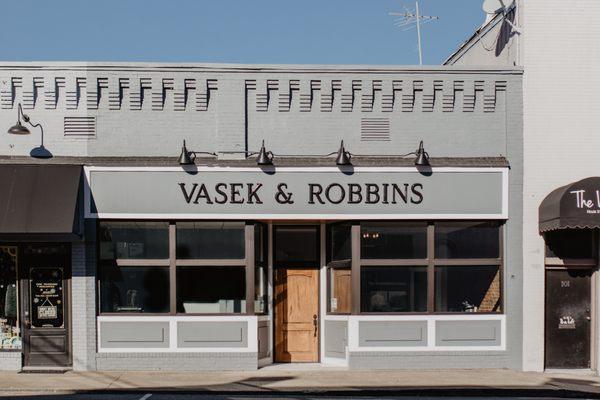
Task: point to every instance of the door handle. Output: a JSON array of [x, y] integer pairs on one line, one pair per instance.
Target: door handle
[[588, 318], [315, 323], [27, 323]]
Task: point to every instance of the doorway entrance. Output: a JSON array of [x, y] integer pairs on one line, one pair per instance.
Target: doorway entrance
[[296, 293], [45, 277], [568, 318]]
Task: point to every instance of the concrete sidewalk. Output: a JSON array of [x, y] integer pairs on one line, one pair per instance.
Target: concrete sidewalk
[[280, 379]]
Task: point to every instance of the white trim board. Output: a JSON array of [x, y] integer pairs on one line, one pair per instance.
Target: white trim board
[[354, 343], [252, 329]]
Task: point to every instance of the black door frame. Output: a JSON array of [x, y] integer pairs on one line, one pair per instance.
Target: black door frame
[[593, 309], [24, 296]]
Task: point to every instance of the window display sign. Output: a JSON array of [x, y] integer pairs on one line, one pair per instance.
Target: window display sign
[[297, 193], [47, 297]]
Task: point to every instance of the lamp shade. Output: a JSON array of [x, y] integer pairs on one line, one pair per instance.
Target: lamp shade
[[19, 129], [185, 158], [343, 157], [264, 157], [422, 159]]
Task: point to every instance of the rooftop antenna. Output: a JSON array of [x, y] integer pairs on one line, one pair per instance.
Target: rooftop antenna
[[409, 19], [494, 7]]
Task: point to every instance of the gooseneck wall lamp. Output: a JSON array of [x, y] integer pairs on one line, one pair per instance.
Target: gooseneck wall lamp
[[20, 129]]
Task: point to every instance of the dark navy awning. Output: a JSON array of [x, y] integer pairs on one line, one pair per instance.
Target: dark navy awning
[[576, 205], [38, 199]]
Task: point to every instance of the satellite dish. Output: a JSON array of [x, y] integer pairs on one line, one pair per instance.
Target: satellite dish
[[494, 7]]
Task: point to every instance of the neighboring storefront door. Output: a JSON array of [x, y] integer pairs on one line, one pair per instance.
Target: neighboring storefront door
[[45, 287], [568, 318], [296, 278]]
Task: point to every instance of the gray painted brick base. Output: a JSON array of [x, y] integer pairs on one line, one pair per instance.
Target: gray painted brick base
[[176, 361], [10, 361], [425, 360]]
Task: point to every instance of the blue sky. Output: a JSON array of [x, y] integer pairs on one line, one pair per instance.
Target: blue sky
[[237, 31]]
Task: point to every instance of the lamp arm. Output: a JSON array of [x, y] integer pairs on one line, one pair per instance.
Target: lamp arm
[[26, 118], [38, 125], [194, 153]]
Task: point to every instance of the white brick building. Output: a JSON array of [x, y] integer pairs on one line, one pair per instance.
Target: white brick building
[[558, 50]]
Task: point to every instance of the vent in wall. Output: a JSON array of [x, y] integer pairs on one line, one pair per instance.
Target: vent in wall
[[375, 129], [80, 127]]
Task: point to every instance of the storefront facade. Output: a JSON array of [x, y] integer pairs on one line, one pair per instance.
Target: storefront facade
[[209, 261]]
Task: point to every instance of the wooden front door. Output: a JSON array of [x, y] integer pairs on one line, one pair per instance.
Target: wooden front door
[[568, 318], [45, 298], [296, 315]]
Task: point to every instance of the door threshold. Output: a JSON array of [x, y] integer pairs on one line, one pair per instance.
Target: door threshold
[[45, 370]]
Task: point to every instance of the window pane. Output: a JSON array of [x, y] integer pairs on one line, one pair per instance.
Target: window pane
[[260, 290], [393, 289], [340, 290], [296, 244], [211, 290], [134, 289], [570, 243], [393, 240], [467, 240], [339, 242], [210, 240], [10, 336], [468, 289], [141, 240], [260, 269]]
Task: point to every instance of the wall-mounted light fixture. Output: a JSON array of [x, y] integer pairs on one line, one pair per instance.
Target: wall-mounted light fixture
[[422, 159], [343, 157], [20, 129], [264, 157], [188, 157]]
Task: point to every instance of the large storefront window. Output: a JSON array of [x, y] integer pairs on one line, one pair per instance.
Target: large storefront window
[[416, 267], [10, 334], [173, 268]]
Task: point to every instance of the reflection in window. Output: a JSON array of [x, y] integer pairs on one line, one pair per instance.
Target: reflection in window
[[393, 289], [260, 269], [134, 289], [10, 334], [393, 240], [211, 290], [340, 290], [339, 242], [134, 240], [210, 240], [467, 240], [467, 288]]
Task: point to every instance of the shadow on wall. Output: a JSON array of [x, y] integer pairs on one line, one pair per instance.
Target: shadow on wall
[[506, 33]]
